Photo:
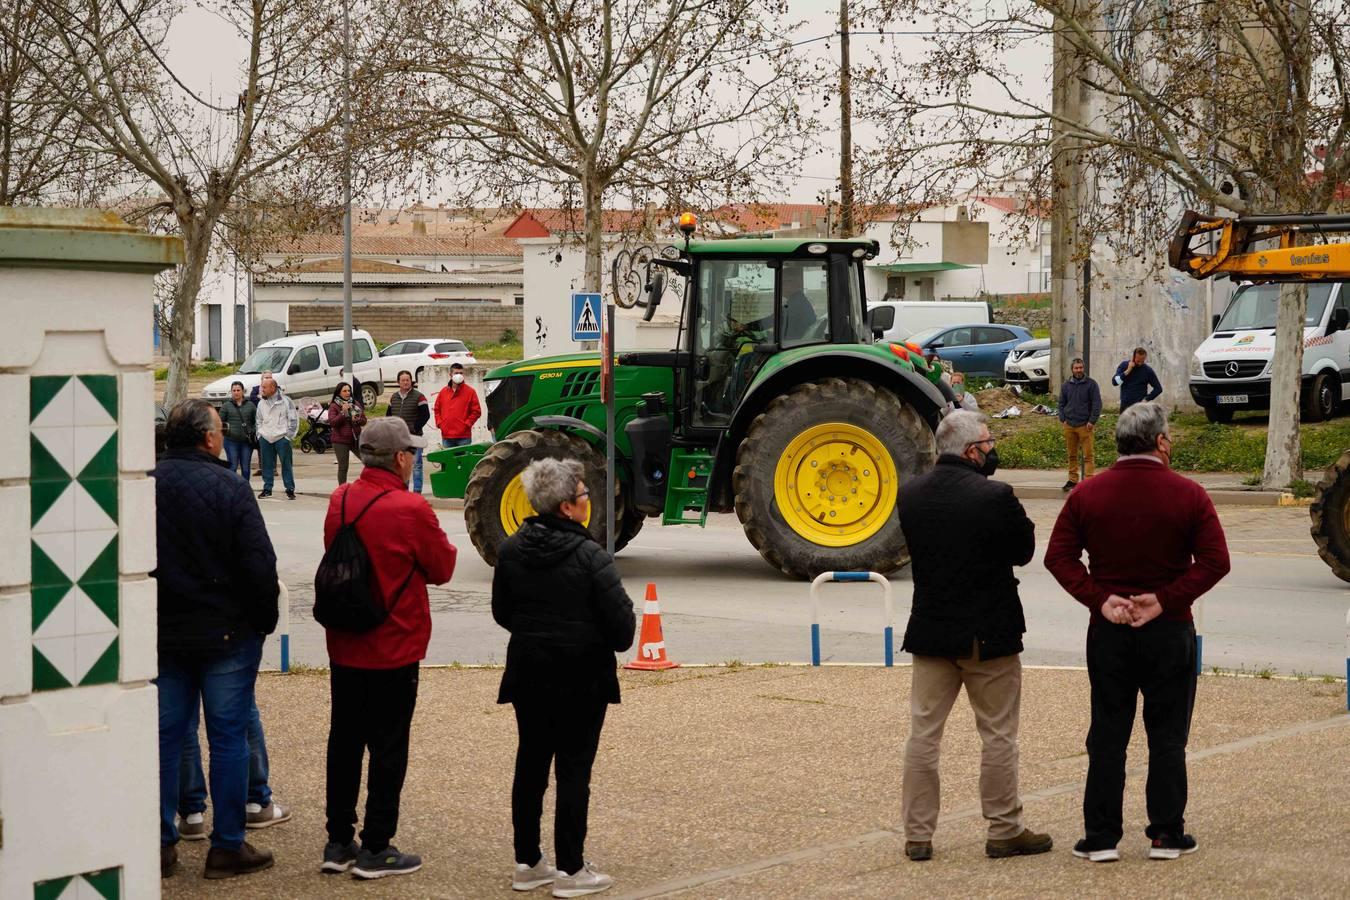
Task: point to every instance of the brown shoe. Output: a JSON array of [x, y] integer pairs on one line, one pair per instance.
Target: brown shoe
[[168, 861], [919, 851], [224, 863], [1025, 844]]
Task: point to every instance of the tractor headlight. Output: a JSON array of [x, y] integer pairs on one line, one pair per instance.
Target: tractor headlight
[[490, 386]]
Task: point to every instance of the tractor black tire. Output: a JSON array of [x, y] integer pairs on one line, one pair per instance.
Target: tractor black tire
[[1330, 528], [630, 523], [1319, 400], [852, 401], [504, 462], [1220, 415]]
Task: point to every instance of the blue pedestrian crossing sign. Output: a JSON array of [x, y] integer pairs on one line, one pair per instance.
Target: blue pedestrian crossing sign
[[585, 317]]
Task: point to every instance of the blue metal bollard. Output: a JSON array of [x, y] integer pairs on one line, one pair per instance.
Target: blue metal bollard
[[888, 611]]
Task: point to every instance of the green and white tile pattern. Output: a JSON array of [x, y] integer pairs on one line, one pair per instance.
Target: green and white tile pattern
[[102, 885], [73, 446]]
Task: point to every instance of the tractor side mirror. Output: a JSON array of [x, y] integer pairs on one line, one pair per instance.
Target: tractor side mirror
[[656, 287], [1214, 322], [1340, 318], [880, 319]]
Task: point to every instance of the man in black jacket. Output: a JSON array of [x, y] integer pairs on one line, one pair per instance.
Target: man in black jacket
[[410, 405], [965, 533], [217, 599]]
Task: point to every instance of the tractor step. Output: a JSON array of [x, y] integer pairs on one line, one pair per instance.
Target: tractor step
[[687, 495]]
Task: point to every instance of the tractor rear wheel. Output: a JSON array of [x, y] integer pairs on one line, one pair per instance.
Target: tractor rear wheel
[[1330, 513], [630, 523], [495, 505], [818, 472]]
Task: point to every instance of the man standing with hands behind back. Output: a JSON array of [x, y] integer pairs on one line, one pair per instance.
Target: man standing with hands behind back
[[1154, 546], [965, 629], [1080, 405]]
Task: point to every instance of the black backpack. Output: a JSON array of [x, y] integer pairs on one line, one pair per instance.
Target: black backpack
[[343, 600]]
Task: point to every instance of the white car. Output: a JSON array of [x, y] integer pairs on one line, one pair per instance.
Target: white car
[[305, 364], [417, 354], [1029, 365]]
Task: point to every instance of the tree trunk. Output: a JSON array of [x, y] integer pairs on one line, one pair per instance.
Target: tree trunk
[[1284, 450], [1067, 179], [846, 225], [594, 200], [196, 253]]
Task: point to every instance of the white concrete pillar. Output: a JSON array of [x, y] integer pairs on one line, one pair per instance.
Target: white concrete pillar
[[79, 721]]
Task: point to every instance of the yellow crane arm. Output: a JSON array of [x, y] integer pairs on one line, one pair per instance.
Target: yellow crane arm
[[1237, 256]]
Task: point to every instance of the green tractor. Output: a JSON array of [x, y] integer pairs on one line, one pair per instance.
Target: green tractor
[[777, 403]]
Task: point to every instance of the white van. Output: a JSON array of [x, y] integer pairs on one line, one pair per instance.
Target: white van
[[307, 364], [912, 316], [1231, 369]]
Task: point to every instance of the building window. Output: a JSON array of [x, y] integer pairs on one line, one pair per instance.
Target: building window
[[520, 299]]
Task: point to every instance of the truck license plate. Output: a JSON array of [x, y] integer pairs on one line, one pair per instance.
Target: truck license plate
[[1232, 398]]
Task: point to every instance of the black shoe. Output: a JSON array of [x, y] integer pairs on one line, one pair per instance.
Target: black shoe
[[168, 861], [290, 495], [224, 863], [919, 851], [265, 492], [1069, 485], [1101, 854], [1170, 846], [387, 862], [338, 858]]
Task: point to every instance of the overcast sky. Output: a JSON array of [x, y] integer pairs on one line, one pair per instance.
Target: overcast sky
[[207, 56]]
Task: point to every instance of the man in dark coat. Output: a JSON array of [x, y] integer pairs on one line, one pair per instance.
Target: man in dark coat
[[965, 533], [410, 405], [217, 598], [1136, 379], [558, 593]]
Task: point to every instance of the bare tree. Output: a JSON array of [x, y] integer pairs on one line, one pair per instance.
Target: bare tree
[[1237, 105], [591, 100], [196, 153]]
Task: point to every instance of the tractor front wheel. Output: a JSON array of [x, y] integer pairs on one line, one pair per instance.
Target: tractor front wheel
[[818, 473], [495, 505], [1330, 513]]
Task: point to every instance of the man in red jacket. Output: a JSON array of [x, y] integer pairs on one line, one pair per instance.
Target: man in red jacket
[[374, 674], [457, 408], [1154, 546]]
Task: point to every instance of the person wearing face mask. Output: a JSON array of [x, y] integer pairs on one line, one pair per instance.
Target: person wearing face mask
[[559, 595], [457, 408], [964, 398], [1154, 546], [965, 628]]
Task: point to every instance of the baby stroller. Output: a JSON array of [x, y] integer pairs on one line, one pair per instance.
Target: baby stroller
[[319, 436]]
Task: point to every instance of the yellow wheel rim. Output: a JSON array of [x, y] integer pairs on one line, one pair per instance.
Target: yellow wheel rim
[[515, 508], [835, 484]]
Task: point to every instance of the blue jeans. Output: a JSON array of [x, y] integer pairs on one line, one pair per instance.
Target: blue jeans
[[455, 442], [224, 685], [416, 486], [192, 780], [269, 451], [239, 454]]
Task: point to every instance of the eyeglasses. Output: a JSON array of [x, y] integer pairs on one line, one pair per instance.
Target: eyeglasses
[[582, 496], [988, 440]]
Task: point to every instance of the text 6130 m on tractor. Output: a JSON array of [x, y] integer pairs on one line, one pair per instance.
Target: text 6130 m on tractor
[[776, 403]]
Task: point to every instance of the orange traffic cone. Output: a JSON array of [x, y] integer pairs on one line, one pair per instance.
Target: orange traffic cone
[[651, 654]]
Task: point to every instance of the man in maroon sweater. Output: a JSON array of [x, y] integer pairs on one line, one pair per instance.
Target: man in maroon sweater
[[1154, 545]]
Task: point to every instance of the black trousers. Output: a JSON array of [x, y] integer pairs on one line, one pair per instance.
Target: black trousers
[[1158, 661], [372, 709], [566, 734]]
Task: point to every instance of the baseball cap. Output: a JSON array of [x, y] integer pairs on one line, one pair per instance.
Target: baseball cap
[[389, 433]]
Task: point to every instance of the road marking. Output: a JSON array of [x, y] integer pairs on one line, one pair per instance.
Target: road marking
[[690, 882]]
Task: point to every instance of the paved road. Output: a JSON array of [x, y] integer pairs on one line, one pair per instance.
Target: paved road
[[1280, 608]]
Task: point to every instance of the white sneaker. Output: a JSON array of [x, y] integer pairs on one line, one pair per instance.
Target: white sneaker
[[193, 828], [258, 816], [585, 881], [527, 878]]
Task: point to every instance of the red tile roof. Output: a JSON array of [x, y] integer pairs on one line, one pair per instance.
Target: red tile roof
[[545, 222], [397, 246]]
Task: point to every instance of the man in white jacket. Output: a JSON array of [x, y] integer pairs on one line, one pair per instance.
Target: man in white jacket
[[278, 422]]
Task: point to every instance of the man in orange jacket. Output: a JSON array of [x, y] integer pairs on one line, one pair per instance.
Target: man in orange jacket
[[457, 408]]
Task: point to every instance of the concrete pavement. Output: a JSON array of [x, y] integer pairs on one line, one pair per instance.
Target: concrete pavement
[[785, 782]]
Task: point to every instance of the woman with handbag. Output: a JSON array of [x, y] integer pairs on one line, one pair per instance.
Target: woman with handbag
[[239, 417], [346, 416]]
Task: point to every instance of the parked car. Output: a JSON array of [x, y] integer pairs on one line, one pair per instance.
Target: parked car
[[306, 365], [913, 316], [418, 354], [1029, 365], [977, 349]]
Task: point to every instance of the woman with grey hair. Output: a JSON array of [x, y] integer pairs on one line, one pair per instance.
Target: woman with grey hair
[[558, 593]]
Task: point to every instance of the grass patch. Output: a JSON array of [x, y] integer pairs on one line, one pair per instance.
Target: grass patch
[[1040, 332], [503, 350], [210, 367], [1302, 488]]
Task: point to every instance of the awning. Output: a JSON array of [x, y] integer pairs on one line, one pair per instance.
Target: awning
[[920, 268]]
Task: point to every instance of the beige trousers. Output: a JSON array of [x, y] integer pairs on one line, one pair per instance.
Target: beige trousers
[[994, 688], [1076, 439]]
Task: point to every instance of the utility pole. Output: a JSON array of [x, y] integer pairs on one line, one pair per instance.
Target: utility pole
[[347, 367], [1066, 100], [845, 127]]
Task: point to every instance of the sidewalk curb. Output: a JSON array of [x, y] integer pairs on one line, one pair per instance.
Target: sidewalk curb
[[1220, 496]]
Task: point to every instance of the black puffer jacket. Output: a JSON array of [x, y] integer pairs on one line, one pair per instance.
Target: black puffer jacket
[[965, 533], [216, 570], [557, 591]]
